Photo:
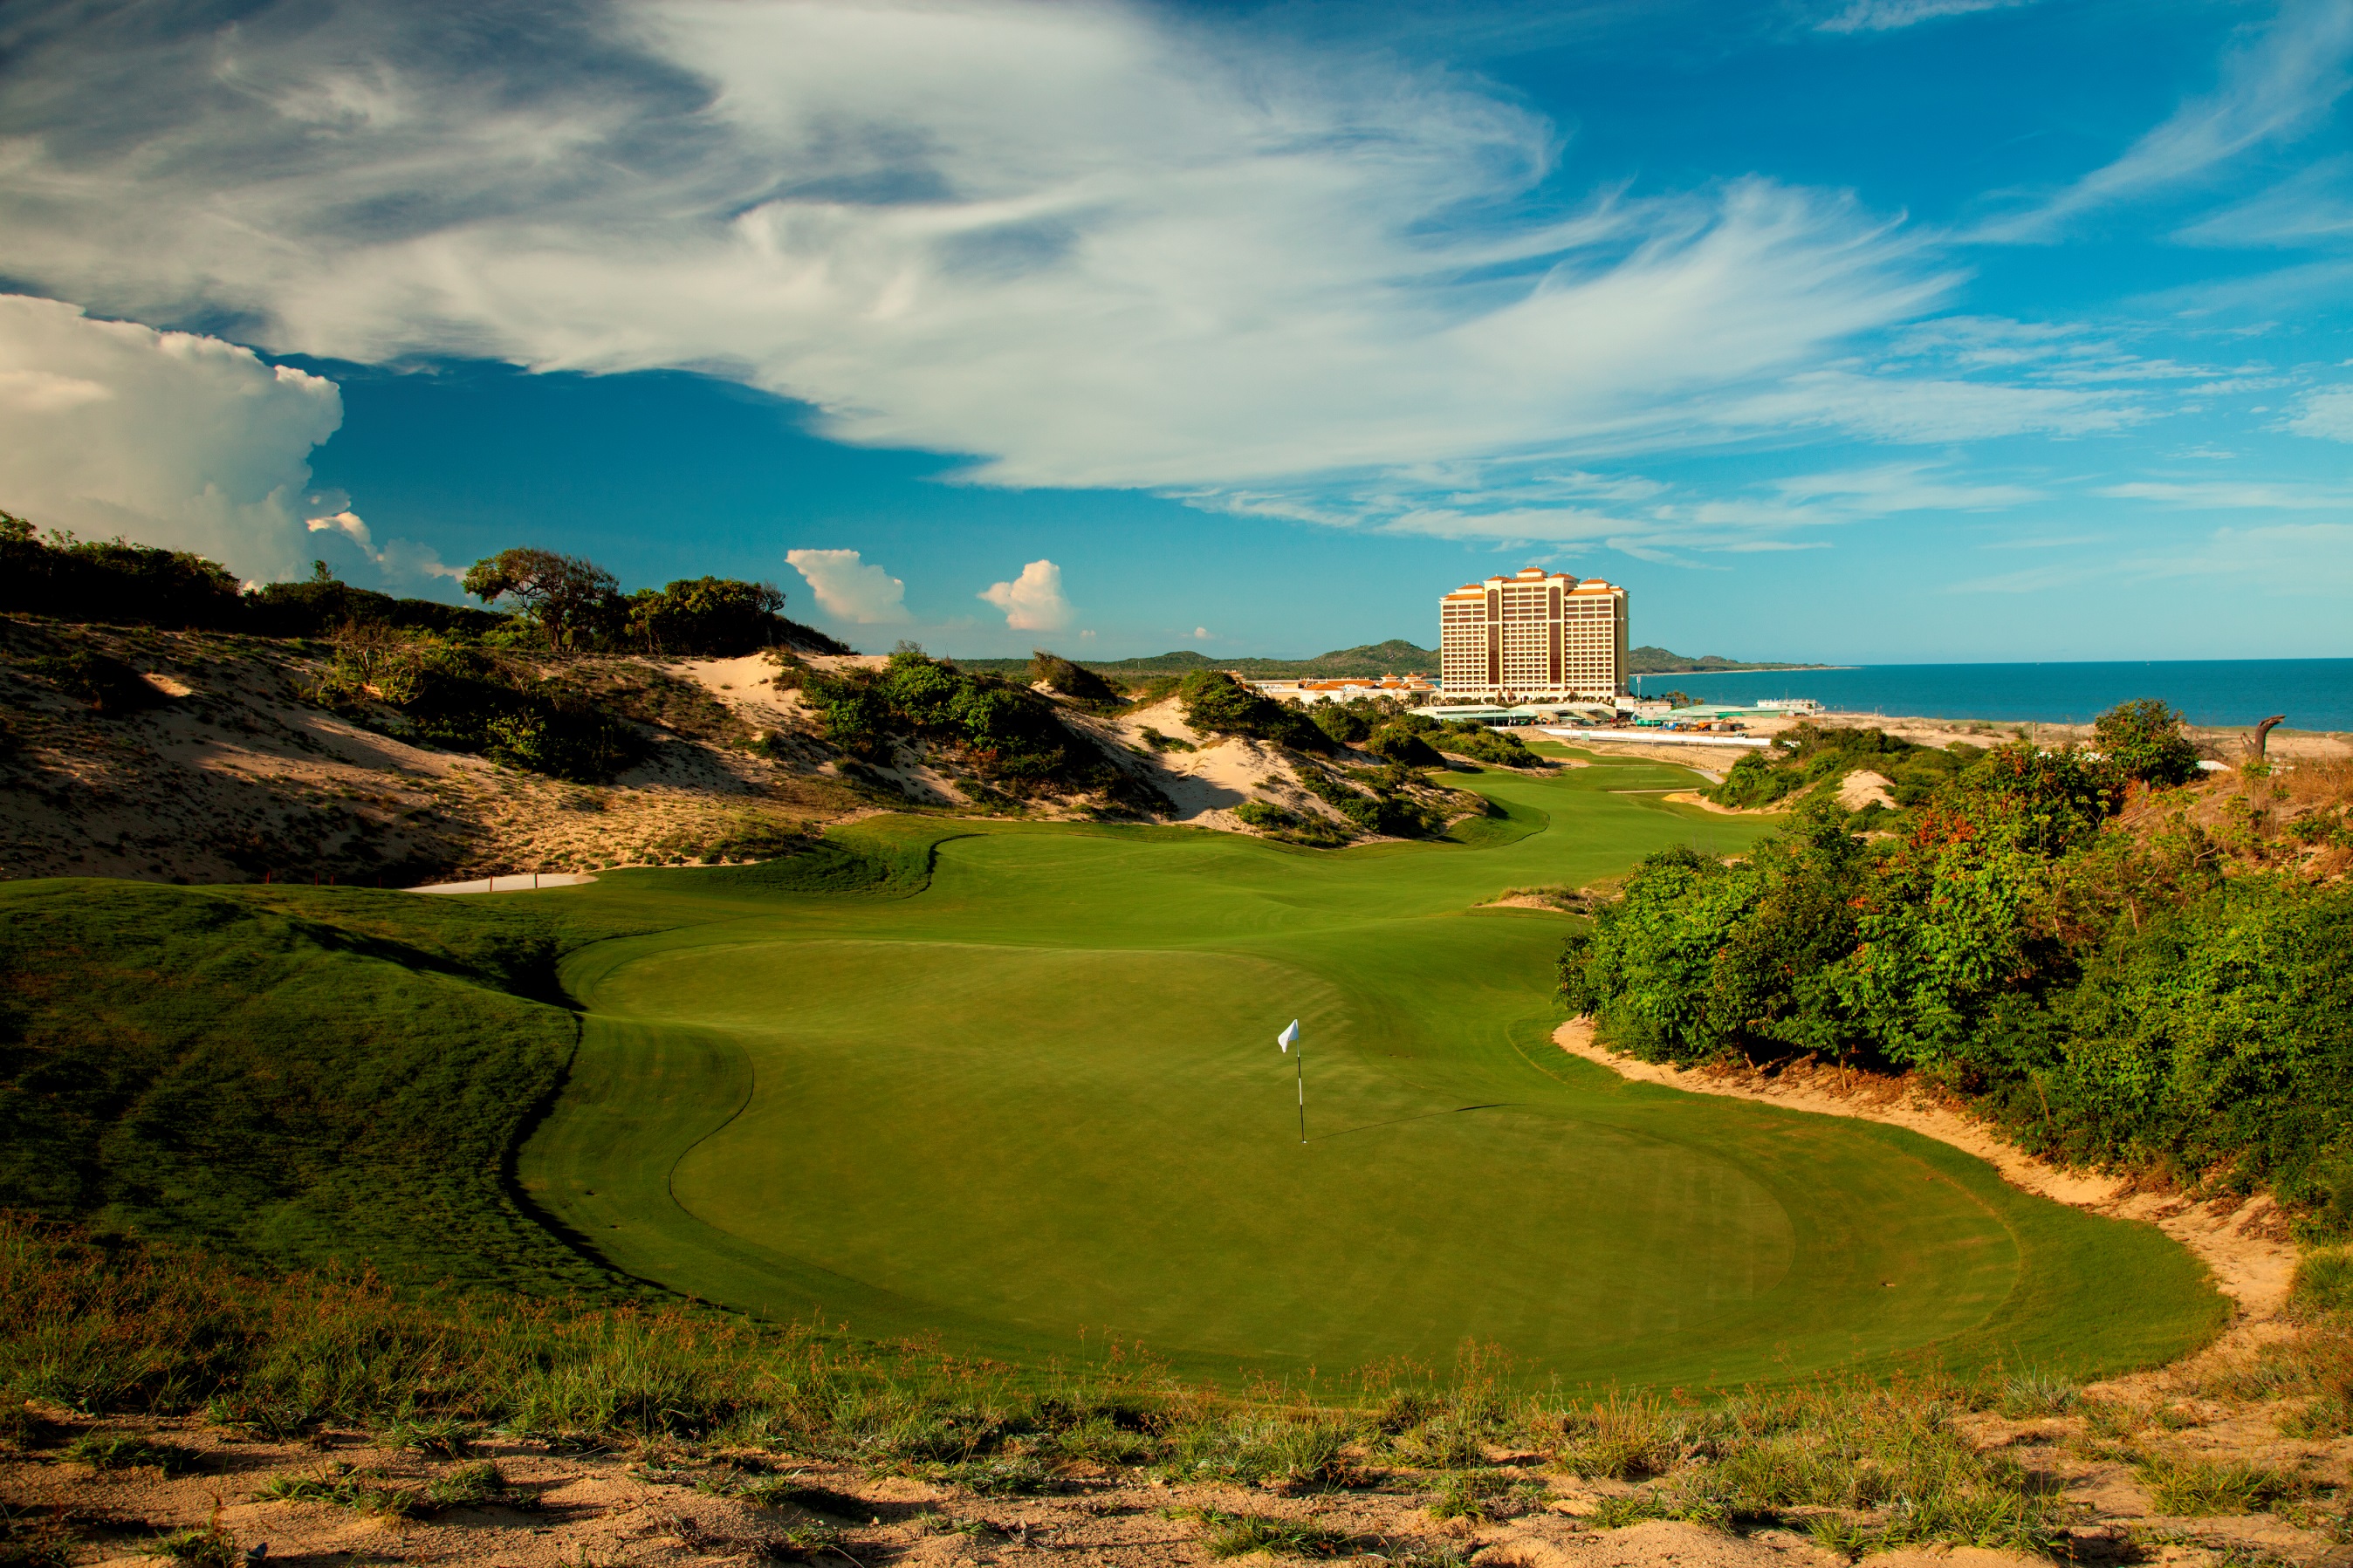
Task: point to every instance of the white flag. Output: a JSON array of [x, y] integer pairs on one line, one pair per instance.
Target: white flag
[[1288, 1036]]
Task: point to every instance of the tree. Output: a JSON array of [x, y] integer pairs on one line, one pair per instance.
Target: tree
[[112, 581], [711, 615], [568, 596], [2143, 740]]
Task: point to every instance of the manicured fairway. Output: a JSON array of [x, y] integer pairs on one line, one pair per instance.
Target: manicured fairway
[[1038, 1104]]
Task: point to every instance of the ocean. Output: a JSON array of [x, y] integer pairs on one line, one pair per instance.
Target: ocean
[[2315, 693]]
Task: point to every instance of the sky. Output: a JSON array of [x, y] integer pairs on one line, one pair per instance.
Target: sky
[[1851, 330]]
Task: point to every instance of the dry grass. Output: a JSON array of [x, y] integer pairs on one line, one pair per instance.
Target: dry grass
[[1861, 1467]]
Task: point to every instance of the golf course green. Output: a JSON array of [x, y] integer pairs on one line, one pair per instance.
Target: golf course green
[[1032, 1106]]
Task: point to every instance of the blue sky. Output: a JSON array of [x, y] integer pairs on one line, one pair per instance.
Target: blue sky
[[1846, 330]]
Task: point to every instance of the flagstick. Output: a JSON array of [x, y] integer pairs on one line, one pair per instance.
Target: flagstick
[[1299, 1062]]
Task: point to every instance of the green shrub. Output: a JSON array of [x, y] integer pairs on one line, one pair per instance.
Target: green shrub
[[1339, 722], [1009, 734], [467, 699], [1382, 807], [1499, 748], [2144, 740], [1402, 745], [1268, 818], [1075, 680], [1217, 703], [1811, 758], [2105, 998]]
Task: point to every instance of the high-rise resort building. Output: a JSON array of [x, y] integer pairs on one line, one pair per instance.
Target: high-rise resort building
[[1537, 636]]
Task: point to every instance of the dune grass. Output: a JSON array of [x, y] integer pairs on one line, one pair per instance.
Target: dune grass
[[1862, 1465]]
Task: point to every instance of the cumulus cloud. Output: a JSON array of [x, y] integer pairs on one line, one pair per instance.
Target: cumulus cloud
[[1086, 244], [167, 438], [849, 589], [2327, 414], [1200, 634], [1032, 602], [401, 560]]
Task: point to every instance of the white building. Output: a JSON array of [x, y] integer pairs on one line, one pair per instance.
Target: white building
[[1537, 636]]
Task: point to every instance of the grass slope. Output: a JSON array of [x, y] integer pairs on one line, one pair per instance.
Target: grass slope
[[1034, 1107], [286, 1077]]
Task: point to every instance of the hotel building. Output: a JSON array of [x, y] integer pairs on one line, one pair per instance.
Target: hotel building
[[1537, 637]]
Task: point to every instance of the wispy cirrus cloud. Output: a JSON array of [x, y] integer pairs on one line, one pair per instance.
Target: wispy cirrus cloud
[[2234, 495], [1886, 16], [1084, 243], [2281, 83]]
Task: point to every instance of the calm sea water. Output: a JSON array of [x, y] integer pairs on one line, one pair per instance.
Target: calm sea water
[[2315, 693]]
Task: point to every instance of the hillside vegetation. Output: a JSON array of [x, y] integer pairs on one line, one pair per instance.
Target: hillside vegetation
[[2121, 965], [189, 728]]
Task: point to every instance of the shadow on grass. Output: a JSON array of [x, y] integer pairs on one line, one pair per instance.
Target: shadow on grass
[[1376, 1126]]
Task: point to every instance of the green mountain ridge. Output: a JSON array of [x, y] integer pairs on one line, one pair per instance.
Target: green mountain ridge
[[1394, 657]]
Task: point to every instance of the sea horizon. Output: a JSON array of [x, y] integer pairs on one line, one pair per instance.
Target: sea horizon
[[2314, 693]]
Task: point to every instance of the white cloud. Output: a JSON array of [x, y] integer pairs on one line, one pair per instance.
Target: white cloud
[[2234, 495], [2327, 414], [2281, 84], [1086, 244], [1893, 408], [1882, 16], [400, 559], [1901, 487], [2313, 206], [1032, 602], [166, 438], [1200, 634], [849, 589], [45, 392]]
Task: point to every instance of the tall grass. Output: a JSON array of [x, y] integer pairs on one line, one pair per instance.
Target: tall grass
[[132, 1328]]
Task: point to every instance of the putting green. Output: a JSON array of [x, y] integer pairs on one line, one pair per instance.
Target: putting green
[[1038, 1106]]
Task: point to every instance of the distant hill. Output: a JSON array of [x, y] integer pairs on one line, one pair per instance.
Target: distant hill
[[1664, 661], [1394, 657]]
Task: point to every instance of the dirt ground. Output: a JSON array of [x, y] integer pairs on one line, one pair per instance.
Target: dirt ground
[[657, 1508]]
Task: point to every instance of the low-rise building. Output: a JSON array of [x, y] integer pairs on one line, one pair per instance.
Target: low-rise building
[[1408, 688]]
